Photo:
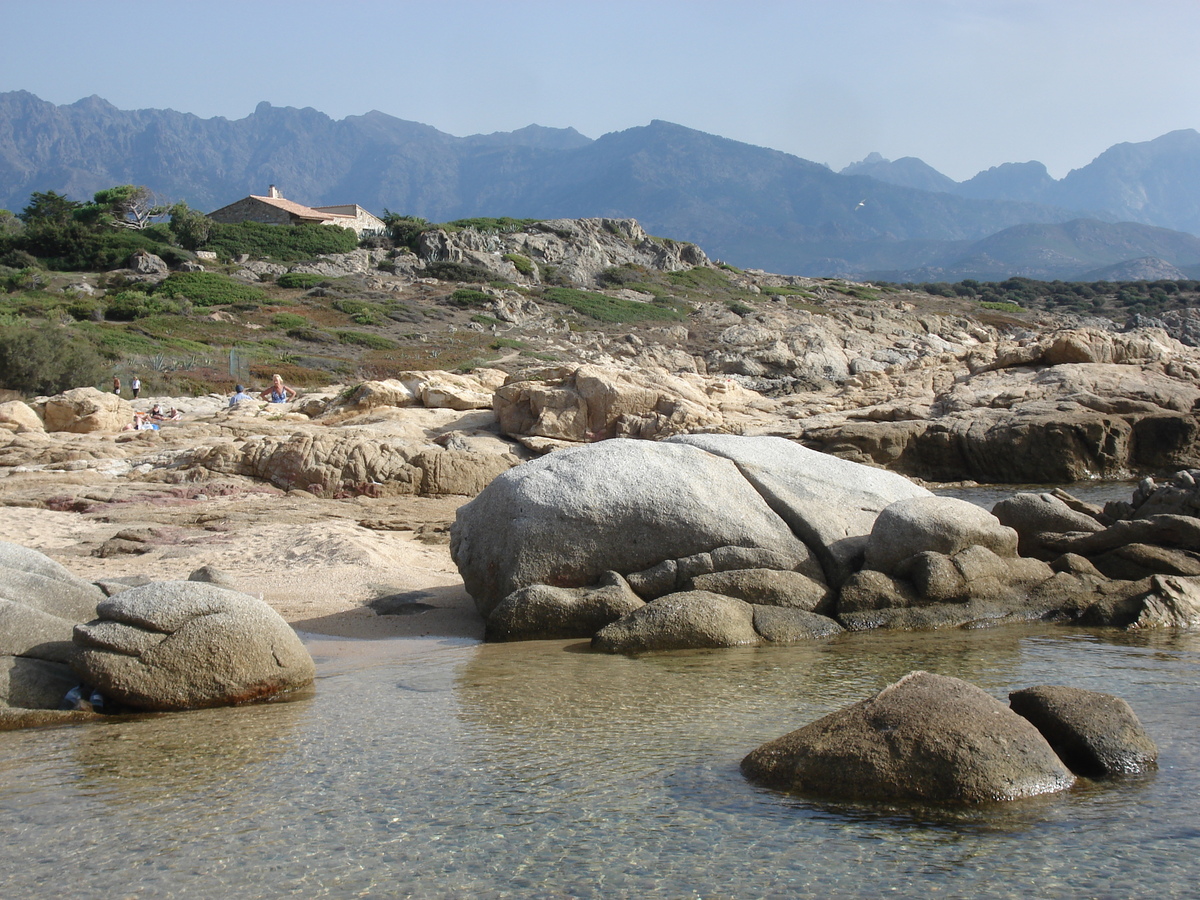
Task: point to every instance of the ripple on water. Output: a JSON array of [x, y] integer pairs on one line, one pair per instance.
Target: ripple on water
[[537, 770]]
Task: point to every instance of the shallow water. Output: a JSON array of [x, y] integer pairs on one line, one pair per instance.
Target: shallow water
[[441, 769]]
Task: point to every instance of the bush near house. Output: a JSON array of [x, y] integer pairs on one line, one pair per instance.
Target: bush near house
[[285, 243]]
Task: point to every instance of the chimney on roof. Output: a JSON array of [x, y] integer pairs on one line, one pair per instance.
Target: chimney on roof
[[273, 193]]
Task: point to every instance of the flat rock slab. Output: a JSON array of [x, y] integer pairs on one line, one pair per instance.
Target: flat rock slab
[[1095, 734], [926, 738], [186, 644]]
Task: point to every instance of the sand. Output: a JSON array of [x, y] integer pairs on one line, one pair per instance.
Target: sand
[[312, 560]]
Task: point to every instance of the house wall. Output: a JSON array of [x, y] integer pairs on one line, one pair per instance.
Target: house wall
[[363, 222]]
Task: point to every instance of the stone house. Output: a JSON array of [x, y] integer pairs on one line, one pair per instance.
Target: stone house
[[274, 209]]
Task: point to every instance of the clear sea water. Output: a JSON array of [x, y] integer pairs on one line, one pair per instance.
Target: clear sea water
[[435, 768], [438, 769]]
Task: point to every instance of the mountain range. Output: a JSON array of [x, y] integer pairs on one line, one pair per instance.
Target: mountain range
[[750, 206]]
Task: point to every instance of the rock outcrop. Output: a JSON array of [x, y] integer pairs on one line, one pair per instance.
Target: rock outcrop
[[85, 410], [926, 738]]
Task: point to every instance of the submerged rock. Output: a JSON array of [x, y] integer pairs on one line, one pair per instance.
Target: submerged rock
[[925, 738]]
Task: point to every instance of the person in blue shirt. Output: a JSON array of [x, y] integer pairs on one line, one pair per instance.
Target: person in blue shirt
[[239, 396]]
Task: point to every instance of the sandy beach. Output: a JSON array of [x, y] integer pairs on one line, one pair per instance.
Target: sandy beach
[[314, 561]]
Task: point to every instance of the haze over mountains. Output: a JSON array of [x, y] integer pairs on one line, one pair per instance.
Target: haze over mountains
[[1135, 207]]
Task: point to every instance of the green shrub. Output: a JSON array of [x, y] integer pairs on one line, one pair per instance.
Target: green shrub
[[361, 312], [522, 264], [611, 309], [469, 297], [503, 224], [737, 307], [452, 271], [47, 360], [85, 309], [209, 289], [619, 276], [363, 339], [302, 280], [507, 343], [286, 243], [288, 320], [129, 305]]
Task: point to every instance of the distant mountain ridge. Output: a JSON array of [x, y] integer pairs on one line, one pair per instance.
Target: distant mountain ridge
[[748, 205], [1154, 182]]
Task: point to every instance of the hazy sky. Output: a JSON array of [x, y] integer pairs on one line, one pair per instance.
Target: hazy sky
[[962, 84]]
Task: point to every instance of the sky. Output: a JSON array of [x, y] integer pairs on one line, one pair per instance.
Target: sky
[[962, 84]]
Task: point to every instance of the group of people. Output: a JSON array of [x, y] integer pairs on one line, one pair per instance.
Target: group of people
[[148, 421], [278, 392], [135, 386]]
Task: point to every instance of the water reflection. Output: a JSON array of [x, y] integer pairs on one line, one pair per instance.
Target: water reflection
[[204, 752]]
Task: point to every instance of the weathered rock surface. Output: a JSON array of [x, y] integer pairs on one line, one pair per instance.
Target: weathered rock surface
[[624, 506], [934, 524], [589, 403], [85, 410], [925, 738], [40, 604], [19, 417], [184, 644], [1095, 734], [692, 619], [540, 612], [829, 503]]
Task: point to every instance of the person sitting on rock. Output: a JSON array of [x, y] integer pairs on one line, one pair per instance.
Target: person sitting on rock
[[278, 392], [239, 395]]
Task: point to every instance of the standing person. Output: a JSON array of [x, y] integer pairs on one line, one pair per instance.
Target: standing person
[[278, 392], [135, 386], [117, 385]]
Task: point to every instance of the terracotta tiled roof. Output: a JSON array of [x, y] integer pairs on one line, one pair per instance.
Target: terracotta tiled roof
[[298, 209]]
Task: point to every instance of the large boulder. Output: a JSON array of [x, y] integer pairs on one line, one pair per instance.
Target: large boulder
[[185, 644], [939, 524], [623, 505], [85, 410], [20, 417], [1033, 515], [925, 738], [1094, 734], [40, 604], [830, 503]]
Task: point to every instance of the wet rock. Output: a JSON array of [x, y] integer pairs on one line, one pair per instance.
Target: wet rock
[[925, 738], [183, 644], [1094, 734]]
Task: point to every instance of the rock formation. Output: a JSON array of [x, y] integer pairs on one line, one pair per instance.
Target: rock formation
[[925, 738], [929, 738], [187, 644]]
